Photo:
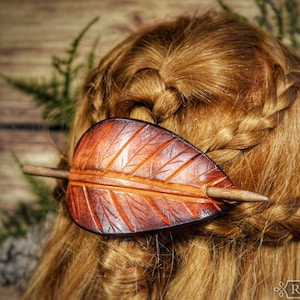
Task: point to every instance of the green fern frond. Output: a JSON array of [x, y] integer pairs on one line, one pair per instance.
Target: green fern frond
[[228, 9], [69, 72], [58, 95], [91, 57], [17, 222], [293, 31], [280, 20]]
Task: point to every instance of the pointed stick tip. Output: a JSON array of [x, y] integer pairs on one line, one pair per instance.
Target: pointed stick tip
[[237, 195]]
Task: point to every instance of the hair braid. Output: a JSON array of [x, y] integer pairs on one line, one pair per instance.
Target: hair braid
[[147, 91], [157, 94], [253, 126], [134, 268], [230, 90], [147, 264], [278, 220]]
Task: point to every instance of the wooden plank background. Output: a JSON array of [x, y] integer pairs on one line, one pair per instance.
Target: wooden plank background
[[31, 32]]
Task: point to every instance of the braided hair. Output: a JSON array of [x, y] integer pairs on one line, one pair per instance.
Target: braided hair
[[232, 91]]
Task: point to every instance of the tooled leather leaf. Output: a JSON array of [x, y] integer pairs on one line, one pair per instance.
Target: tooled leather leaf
[[129, 176]]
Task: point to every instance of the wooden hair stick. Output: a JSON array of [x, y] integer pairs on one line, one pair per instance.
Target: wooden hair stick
[[45, 172], [211, 191], [130, 176]]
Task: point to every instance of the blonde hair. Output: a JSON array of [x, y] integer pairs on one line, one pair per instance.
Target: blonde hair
[[232, 91]]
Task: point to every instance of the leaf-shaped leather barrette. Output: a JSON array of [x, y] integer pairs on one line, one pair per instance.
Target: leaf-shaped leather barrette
[[130, 176]]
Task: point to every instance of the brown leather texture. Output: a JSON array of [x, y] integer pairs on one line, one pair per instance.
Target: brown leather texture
[[129, 176]]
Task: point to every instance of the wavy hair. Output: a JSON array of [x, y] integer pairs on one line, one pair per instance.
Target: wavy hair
[[232, 91]]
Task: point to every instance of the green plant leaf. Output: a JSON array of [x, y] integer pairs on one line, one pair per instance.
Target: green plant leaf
[[58, 95]]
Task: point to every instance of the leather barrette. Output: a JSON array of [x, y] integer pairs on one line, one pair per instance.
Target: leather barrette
[[129, 176]]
